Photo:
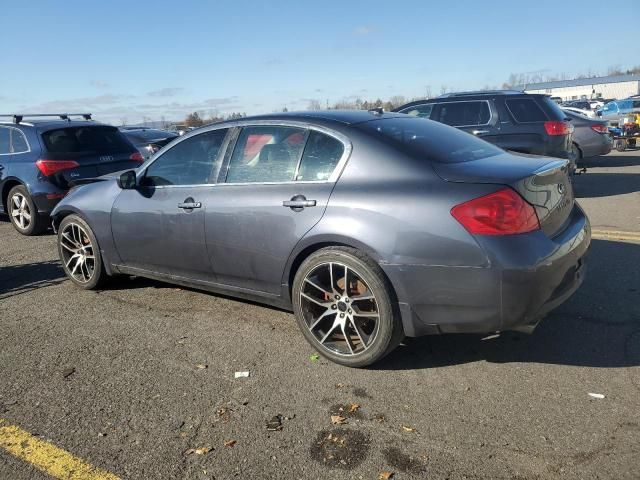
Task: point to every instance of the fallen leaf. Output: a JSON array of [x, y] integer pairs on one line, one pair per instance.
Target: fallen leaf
[[385, 475], [353, 407], [230, 443], [338, 420], [275, 423], [202, 366], [340, 385], [202, 451], [67, 372], [408, 429], [315, 357]]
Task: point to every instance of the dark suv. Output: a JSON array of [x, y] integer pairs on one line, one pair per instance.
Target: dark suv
[[40, 158], [513, 120]]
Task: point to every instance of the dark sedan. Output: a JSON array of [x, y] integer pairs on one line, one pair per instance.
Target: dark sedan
[[590, 137], [369, 226], [148, 140]]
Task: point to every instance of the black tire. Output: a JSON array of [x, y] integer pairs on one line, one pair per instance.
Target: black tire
[[98, 275], [388, 332], [621, 145], [36, 223]]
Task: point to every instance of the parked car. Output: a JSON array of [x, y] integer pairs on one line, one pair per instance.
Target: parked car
[[620, 111], [579, 111], [590, 137], [516, 121], [148, 140], [180, 129], [580, 104], [369, 226], [39, 158]]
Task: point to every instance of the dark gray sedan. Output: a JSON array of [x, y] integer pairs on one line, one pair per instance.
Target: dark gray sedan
[[590, 137], [369, 226]]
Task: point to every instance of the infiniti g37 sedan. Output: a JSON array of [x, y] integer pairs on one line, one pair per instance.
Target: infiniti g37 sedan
[[369, 226]]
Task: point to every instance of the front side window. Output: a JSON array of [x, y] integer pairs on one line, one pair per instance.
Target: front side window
[[321, 156], [18, 142], [422, 111], [194, 161], [462, 114], [525, 110], [266, 154], [5, 143]]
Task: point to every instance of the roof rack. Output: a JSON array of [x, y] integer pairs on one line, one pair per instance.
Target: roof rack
[[18, 117], [481, 92]]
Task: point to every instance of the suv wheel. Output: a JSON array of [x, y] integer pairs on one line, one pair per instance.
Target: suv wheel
[[343, 305], [80, 254], [23, 212]]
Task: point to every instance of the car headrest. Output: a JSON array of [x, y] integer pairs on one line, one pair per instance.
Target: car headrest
[[274, 154]]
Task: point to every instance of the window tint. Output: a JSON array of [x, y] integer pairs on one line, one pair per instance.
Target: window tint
[[89, 139], [430, 140], [18, 142], [194, 161], [4, 141], [525, 110], [321, 155], [422, 111], [460, 114], [266, 154]]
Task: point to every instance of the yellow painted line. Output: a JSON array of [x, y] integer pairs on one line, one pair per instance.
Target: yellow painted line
[[615, 235], [47, 457]]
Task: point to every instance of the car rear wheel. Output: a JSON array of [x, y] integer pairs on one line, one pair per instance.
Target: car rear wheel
[[80, 254], [343, 305], [23, 212]]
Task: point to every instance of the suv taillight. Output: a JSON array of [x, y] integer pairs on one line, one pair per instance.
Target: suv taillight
[[51, 167], [136, 157], [500, 213], [599, 128], [556, 127]]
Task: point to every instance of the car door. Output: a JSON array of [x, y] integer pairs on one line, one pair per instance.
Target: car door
[[5, 154], [159, 226], [474, 116], [274, 188]]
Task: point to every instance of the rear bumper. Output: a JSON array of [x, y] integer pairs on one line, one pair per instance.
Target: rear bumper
[[528, 276]]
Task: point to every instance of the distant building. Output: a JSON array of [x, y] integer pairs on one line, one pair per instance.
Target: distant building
[[615, 86]]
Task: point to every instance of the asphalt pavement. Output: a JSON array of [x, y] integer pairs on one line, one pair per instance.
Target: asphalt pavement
[[138, 379]]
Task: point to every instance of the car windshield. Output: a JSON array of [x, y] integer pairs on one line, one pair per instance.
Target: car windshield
[[433, 140], [83, 139], [151, 134]]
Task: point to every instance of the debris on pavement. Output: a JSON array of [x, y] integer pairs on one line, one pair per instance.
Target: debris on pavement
[[385, 476], [596, 395], [408, 429], [314, 358], [202, 366], [67, 372], [491, 337], [230, 443], [353, 407], [197, 451], [338, 420], [241, 375], [275, 424]]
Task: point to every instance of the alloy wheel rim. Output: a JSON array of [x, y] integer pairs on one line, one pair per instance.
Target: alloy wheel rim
[[339, 309], [20, 212], [77, 253]]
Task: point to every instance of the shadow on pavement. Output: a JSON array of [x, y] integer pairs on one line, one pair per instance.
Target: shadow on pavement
[[598, 327], [612, 161], [606, 184], [18, 279]]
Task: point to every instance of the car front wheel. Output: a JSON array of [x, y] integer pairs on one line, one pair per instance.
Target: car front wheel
[[344, 307], [80, 254]]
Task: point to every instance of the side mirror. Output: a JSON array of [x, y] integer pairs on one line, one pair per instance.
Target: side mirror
[[127, 180]]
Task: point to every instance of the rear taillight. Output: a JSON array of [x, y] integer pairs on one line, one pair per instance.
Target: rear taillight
[[51, 167], [557, 128], [500, 213], [599, 128], [136, 157]]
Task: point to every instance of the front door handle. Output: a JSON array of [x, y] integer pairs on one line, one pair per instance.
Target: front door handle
[[480, 132], [298, 202], [189, 204]]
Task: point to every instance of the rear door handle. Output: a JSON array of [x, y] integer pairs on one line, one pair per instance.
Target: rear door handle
[[298, 202], [480, 132]]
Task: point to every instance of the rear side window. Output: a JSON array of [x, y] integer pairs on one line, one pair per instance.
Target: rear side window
[[18, 142], [422, 111], [4, 141], [462, 114], [266, 154], [525, 110], [430, 140], [89, 139], [321, 155]]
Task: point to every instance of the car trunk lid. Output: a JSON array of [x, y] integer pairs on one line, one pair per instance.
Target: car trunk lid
[[542, 181]]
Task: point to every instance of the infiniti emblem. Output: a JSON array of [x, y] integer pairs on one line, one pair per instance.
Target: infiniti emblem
[[561, 188]]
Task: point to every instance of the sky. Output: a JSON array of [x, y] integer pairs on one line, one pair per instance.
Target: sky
[[126, 61]]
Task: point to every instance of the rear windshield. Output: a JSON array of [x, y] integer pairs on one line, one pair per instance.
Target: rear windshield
[[433, 140], [86, 139], [526, 110]]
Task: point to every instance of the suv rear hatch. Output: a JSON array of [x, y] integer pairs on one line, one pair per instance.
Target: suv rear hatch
[[542, 182], [78, 152]]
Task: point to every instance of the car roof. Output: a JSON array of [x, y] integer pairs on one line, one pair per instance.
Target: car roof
[[347, 117], [52, 124], [461, 96]]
